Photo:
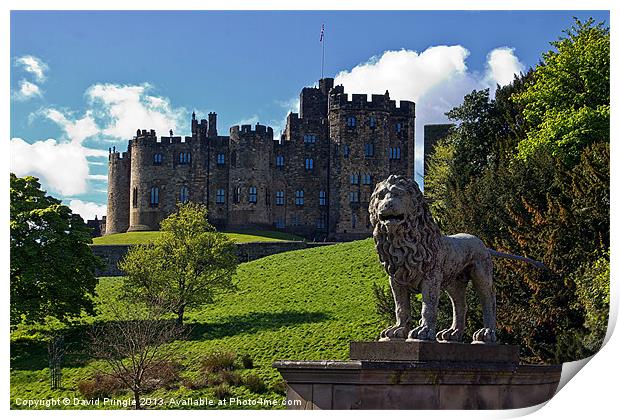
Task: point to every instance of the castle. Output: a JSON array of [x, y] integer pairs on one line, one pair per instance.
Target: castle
[[315, 181]]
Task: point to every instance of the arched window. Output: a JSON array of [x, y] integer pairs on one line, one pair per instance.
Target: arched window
[[252, 191], [279, 161], [157, 159], [184, 195], [221, 159], [372, 122], [154, 197], [184, 157], [351, 121], [309, 163]]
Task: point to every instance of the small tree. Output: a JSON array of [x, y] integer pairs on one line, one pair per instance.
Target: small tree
[[134, 346], [52, 267], [185, 267]]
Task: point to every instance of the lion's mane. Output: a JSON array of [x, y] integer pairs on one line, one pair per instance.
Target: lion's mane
[[411, 253]]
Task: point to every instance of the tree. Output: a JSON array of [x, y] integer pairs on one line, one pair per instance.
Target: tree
[[185, 267], [567, 104], [135, 346], [52, 266]]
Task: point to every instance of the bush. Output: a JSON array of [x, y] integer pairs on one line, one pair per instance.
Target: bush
[[218, 361], [222, 391], [230, 377], [279, 387], [162, 375], [99, 386], [196, 383], [254, 383], [247, 362]]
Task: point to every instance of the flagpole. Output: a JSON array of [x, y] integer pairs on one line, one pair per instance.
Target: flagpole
[[322, 49]]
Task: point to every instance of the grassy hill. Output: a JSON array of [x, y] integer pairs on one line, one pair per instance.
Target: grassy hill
[[304, 305], [240, 236]]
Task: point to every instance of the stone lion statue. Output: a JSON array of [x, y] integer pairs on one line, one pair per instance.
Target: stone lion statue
[[419, 259]]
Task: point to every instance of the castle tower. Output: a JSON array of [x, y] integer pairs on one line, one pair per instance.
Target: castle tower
[[147, 192], [250, 176], [119, 165], [212, 125]]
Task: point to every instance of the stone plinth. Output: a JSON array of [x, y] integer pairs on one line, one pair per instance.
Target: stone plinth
[[420, 379]]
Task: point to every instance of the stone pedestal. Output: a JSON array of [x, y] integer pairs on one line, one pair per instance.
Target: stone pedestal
[[420, 375]]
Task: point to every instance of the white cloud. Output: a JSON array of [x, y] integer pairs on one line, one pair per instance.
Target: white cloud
[[248, 121], [33, 65], [27, 90], [436, 79], [76, 130], [87, 210], [127, 108], [61, 166], [502, 65]]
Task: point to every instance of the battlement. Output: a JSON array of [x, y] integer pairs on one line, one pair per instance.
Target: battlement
[[338, 99], [246, 129]]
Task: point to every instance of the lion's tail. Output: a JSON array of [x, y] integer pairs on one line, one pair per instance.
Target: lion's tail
[[535, 263]]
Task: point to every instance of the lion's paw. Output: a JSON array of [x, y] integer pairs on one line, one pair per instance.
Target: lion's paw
[[485, 336], [421, 333], [450, 334], [396, 332]]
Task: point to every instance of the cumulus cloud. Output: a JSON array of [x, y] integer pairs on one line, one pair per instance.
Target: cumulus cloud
[[502, 65], [76, 130], [126, 108], [61, 166], [436, 79], [87, 210], [33, 65], [27, 90]]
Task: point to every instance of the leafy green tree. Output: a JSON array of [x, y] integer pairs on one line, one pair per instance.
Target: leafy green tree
[[567, 104], [52, 266], [185, 267]]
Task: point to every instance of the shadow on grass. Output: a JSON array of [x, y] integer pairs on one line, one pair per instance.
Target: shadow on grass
[[267, 234], [251, 323]]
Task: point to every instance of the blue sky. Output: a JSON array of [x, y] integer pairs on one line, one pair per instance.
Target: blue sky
[[88, 80]]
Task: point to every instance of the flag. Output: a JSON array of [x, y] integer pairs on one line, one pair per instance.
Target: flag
[[322, 31]]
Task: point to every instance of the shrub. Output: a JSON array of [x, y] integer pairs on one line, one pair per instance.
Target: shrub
[[254, 383], [246, 361], [99, 386], [196, 383], [279, 387], [218, 361], [222, 391], [230, 377], [162, 375]]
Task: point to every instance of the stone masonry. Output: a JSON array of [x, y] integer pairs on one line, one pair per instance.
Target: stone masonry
[[315, 181]]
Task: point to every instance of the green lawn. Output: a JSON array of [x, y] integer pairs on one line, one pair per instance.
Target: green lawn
[[241, 236], [302, 305]]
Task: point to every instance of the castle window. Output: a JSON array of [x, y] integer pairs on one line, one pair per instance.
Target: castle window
[[154, 197], [220, 196], [279, 223], [157, 159], [221, 159], [299, 197], [355, 179], [372, 122], [320, 223], [346, 150], [394, 152], [184, 194], [295, 221], [398, 127], [237, 194], [354, 197], [322, 198], [280, 161], [309, 164], [252, 191], [369, 150], [351, 121], [309, 138], [279, 198], [366, 179], [353, 220], [134, 198], [184, 157]]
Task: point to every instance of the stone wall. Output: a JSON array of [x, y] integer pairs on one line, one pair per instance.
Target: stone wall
[[112, 254]]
